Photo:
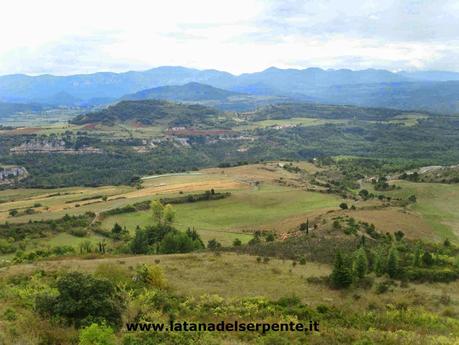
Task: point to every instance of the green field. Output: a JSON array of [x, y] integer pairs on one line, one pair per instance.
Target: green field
[[437, 203], [243, 212], [295, 121]]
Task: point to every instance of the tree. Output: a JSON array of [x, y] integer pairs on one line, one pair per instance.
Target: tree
[[417, 256], [117, 229], [427, 259], [364, 194], [399, 235], [168, 215], [392, 263], [360, 263], [97, 335], [157, 208], [178, 242], [237, 242], [380, 264], [162, 215], [213, 244], [343, 206], [151, 275], [341, 276], [270, 237], [140, 243], [82, 300], [13, 213]]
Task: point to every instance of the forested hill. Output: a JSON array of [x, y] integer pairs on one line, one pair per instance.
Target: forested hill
[[324, 111], [188, 92], [149, 112]]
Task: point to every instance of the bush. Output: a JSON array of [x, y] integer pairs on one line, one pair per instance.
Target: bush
[[151, 275], [302, 260], [431, 274], [82, 300], [97, 335], [213, 244], [237, 242], [382, 287], [178, 242]]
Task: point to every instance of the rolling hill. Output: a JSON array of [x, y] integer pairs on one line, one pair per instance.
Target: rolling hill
[[149, 112], [189, 92]]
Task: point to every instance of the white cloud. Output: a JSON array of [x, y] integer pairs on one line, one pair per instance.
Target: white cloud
[[66, 37]]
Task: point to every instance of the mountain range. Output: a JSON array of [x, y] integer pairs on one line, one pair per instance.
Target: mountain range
[[435, 91]]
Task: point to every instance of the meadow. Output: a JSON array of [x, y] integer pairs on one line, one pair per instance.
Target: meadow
[[436, 203], [260, 208]]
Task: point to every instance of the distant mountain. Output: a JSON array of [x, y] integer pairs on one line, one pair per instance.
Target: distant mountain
[[272, 81], [431, 75], [287, 81], [440, 97], [150, 112], [370, 87], [21, 88], [189, 92]]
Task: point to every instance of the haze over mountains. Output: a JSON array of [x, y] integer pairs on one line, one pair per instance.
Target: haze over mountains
[[435, 91]]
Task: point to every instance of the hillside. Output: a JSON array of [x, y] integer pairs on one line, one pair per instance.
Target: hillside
[[149, 112], [188, 92], [322, 111]]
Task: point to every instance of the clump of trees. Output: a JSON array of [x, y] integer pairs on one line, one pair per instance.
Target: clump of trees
[[162, 236], [81, 300], [396, 258]]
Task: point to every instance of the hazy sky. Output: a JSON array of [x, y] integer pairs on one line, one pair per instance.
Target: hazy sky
[[84, 36]]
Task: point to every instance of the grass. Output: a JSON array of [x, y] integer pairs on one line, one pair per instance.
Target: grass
[[238, 276], [437, 203], [244, 211]]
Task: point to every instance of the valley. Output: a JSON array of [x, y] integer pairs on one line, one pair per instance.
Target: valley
[[266, 210]]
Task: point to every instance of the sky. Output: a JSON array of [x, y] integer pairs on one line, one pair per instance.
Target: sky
[[86, 36]]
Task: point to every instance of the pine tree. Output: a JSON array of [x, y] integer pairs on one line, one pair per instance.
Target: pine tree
[[417, 256], [392, 263], [341, 276], [360, 264], [380, 264]]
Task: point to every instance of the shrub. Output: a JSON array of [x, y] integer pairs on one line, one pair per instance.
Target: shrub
[[213, 244], [178, 242], [97, 335], [382, 287], [302, 260], [237, 242], [431, 274], [83, 299], [151, 275]]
